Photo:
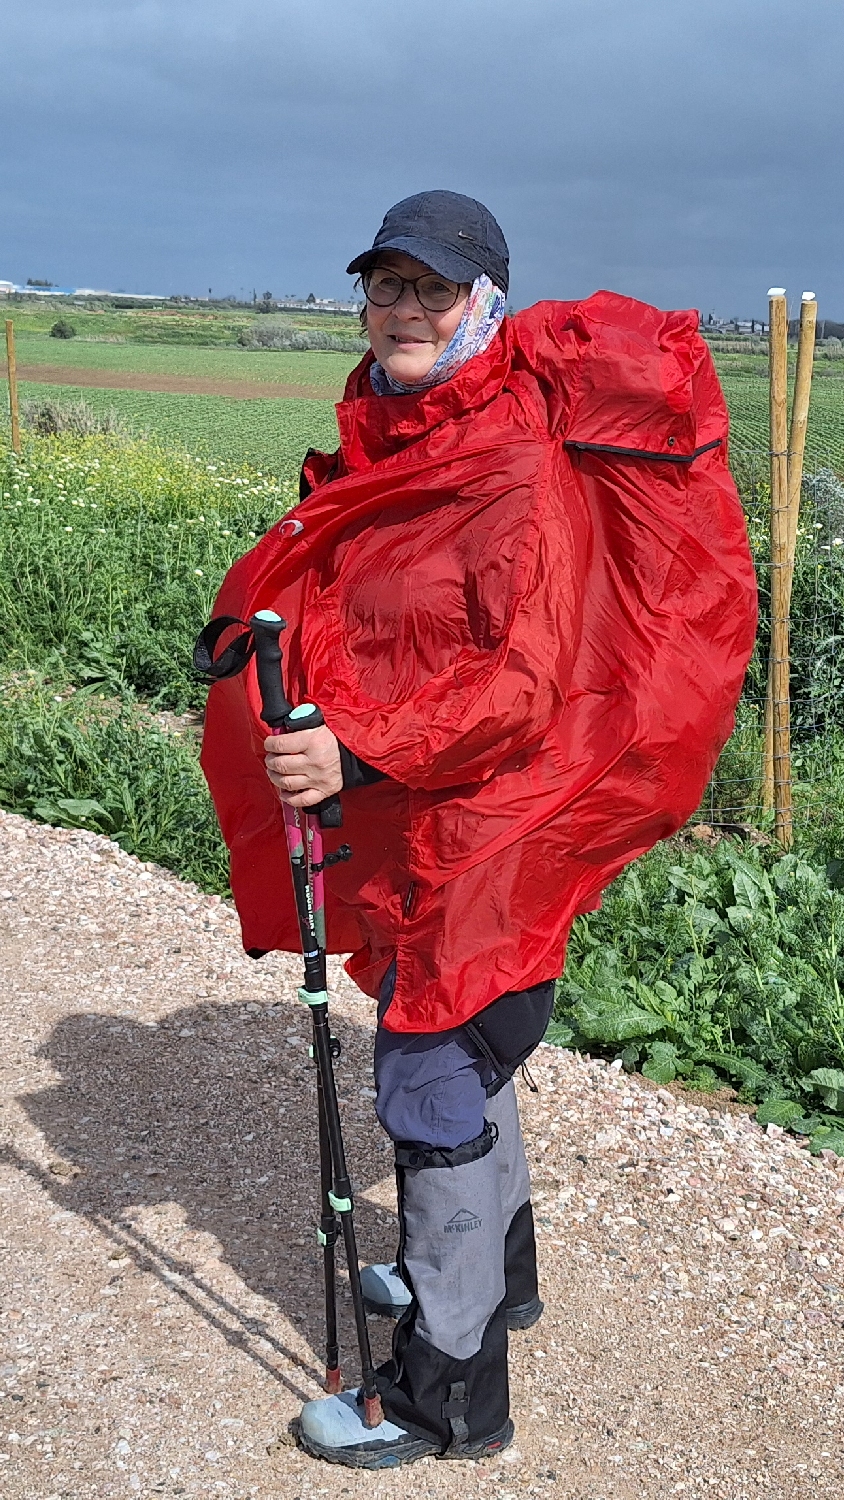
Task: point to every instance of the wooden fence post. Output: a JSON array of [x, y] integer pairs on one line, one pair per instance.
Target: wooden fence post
[[799, 423], [12, 367], [777, 717]]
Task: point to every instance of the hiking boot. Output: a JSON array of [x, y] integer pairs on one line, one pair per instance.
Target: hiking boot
[[525, 1315], [333, 1428], [384, 1292]]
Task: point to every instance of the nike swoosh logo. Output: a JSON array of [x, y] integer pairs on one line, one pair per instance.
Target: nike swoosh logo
[[462, 236]]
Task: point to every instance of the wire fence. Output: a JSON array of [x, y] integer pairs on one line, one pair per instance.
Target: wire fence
[[736, 794]]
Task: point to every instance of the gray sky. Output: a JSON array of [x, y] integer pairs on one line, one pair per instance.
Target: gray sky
[[690, 152]]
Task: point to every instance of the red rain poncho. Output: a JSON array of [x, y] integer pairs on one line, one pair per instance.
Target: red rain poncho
[[527, 596]]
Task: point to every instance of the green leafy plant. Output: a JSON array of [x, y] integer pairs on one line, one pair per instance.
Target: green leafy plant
[[80, 761], [714, 966]]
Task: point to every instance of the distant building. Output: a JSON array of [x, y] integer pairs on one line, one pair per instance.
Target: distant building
[[10, 288], [316, 304], [743, 327], [45, 291], [290, 304]]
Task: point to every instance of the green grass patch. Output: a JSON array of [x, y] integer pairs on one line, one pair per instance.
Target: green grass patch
[[747, 399], [707, 965], [111, 554], [304, 367], [272, 436], [81, 762]]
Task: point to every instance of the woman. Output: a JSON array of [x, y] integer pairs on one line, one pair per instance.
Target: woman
[[521, 594]]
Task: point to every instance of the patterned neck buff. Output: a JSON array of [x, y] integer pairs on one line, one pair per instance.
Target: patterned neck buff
[[476, 330]]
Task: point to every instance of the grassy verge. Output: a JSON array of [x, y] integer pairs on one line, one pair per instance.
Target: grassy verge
[[111, 553], [79, 761]]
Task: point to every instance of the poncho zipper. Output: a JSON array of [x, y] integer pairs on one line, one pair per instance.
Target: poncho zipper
[[666, 458]]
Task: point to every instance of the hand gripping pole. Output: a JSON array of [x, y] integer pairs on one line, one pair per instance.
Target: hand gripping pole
[[307, 864]]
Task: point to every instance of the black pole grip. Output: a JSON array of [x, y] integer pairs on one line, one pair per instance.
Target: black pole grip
[[308, 716], [266, 627], [276, 712]]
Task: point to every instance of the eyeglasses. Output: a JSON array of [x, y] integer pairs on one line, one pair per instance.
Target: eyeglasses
[[384, 288]]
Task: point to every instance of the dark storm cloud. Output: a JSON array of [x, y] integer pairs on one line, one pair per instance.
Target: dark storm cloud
[[686, 153]]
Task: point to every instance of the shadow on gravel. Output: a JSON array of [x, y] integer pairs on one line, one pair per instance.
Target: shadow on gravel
[[214, 1110]]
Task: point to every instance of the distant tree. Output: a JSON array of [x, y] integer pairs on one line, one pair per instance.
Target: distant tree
[[62, 330], [266, 303], [32, 281], [310, 297]]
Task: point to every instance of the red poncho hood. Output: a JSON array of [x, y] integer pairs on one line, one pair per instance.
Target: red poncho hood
[[526, 596]]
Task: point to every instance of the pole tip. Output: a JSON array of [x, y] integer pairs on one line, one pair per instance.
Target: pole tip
[[808, 297], [373, 1412], [776, 291], [333, 1380]]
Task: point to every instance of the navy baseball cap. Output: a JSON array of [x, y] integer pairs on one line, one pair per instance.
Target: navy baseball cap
[[454, 235]]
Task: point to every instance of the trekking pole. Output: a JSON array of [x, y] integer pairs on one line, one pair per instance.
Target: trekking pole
[[307, 865]]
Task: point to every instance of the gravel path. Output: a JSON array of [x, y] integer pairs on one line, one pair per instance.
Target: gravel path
[[159, 1313]]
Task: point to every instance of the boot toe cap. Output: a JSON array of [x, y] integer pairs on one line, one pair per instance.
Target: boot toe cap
[[333, 1428], [383, 1290]]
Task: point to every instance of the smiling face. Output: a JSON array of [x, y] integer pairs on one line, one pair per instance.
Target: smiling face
[[407, 339]]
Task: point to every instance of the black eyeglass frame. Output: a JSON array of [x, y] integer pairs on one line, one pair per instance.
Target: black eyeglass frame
[[408, 281]]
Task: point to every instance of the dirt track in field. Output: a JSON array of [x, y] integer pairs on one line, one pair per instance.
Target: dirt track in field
[[174, 385], [159, 1275]]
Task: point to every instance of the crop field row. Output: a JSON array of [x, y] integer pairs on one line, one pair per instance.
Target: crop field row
[[272, 436], [747, 398], [306, 367]]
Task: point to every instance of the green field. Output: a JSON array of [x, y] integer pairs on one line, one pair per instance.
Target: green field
[[274, 434], [307, 367], [271, 435], [747, 398], [200, 343], [713, 965], [203, 325]]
